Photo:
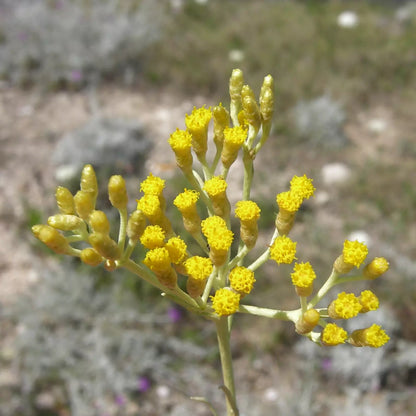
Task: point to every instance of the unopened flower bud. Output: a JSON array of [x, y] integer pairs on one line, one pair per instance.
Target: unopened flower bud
[[117, 192], [89, 181], [221, 121], [307, 322], [99, 222], [136, 225], [84, 204], [104, 245], [66, 222], [250, 107], [267, 105], [376, 268], [51, 237], [91, 257], [65, 200], [236, 84]]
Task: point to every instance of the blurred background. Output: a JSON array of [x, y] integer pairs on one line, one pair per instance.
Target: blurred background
[[106, 82]]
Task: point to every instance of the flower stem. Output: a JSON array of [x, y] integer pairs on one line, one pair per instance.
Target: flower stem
[[223, 336]]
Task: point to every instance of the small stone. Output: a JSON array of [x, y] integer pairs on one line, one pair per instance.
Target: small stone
[[361, 236], [347, 19], [335, 173]]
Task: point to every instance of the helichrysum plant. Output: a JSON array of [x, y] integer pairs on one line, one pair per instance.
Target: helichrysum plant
[[216, 282]]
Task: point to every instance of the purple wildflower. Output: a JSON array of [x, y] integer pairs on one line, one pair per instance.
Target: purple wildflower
[[174, 314], [143, 384]]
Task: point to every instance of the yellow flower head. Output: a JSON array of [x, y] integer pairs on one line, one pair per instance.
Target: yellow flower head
[[302, 186], [354, 252], [215, 187], [303, 275], [152, 185], [376, 268], [199, 268], [220, 240], [150, 206], [369, 301], [374, 336], [283, 250], [181, 142], [345, 306], [177, 249], [198, 119], [153, 237], [234, 137], [225, 301], [158, 260], [242, 280], [186, 200], [333, 335], [289, 201], [211, 225], [197, 123], [247, 211]]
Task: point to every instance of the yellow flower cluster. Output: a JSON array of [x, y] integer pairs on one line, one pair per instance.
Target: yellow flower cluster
[[289, 202], [302, 277], [242, 280], [374, 337], [354, 252], [197, 124], [153, 237], [176, 248], [345, 306], [219, 238], [216, 280], [332, 335], [369, 301], [225, 302], [181, 143], [247, 211], [283, 250]]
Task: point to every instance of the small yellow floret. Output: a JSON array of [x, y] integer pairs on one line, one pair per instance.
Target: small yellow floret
[[302, 186], [354, 252], [225, 302], [213, 224], [376, 268], [283, 250], [153, 237], [199, 268], [197, 123], [150, 206], [158, 259], [220, 240], [374, 337], [181, 141], [303, 275], [234, 137], [333, 335], [186, 200], [177, 249], [369, 301], [198, 119], [242, 280], [215, 186], [346, 306], [289, 201], [152, 185], [247, 211]]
